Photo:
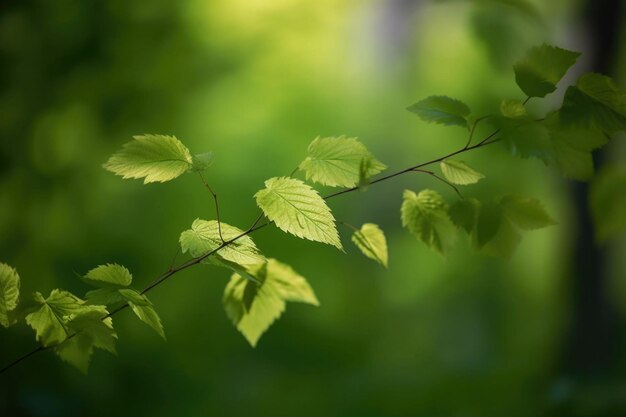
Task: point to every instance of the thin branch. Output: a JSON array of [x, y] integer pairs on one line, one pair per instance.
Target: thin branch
[[445, 181], [217, 206], [348, 225], [255, 226], [471, 135]]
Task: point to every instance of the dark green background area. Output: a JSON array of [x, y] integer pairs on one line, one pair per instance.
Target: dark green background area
[[254, 81]]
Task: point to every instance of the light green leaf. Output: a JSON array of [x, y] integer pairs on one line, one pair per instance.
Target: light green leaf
[[156, 158], [443, 110], [254, 307], [542, 68], [298, 209], [336, 161], [607, 201], [204, 237], [143, 308], [526, 213], [596, 101], [425, 216], [90, 321], [457, 172], [513, 109], [49, 321], [9, 293], [109, 275], [370, 239]]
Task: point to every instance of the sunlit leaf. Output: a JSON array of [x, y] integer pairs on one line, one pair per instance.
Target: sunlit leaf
[[337, 161], [253, 307], [458, 172], [49, 320], [370, 239], [143, 309], [109, 275], [156, 158], [298, 209]]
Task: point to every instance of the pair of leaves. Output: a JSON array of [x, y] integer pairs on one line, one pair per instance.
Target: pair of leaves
[[9, 293], [72, 327], [339, 162], [156, 158], [253, 306], [112, 281]]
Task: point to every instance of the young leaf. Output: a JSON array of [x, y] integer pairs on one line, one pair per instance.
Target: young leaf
[[457, 172], [254, 307], [90, 321], [607, 201], [513, 109], [76, 351], [425, 216], [595, 101], [156, 158], [9, 293], [298, 209], [370, 239], [526, 213], [542, 68], [143, 308], [49, 321], [109, 275], [336, 161], [443, 110], [204, 237]]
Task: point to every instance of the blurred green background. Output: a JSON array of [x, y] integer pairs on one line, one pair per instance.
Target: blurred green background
[[255, 81]]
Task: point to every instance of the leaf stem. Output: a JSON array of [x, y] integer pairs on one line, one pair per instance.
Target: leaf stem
[[445, 181], [217, 206]]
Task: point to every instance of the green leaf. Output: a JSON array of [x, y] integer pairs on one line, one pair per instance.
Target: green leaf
[[254, 307], [365, 172], [525, 137], [513, 109], [49, 321], [9, 293], [143, 309], [156, 158], [464, 214], [109, 275], [104, 296], [457, 172], [489, 220], [202, 161], [526, 213], [298, 209], [370, 239], [542, 68], [607, 201], [425, 216], [204, 237], [504, 242], [597, 102], [337, 161], [443, 110], [89, 331]]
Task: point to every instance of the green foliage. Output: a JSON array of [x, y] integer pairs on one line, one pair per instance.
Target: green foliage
[[425, 215], [595, 102], [370, 239], [112, 280], [457, 172], [526, 213], [202, 161], [339, 161], [204, 237], [513, 109], [50, 320], [254, 306], [9, 293], [607, 201], [443, 110], [298, 209], [156, 158], [542, 68]]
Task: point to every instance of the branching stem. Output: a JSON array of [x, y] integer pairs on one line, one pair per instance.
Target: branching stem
[[256, 226], [217, 206], [445, 181]]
